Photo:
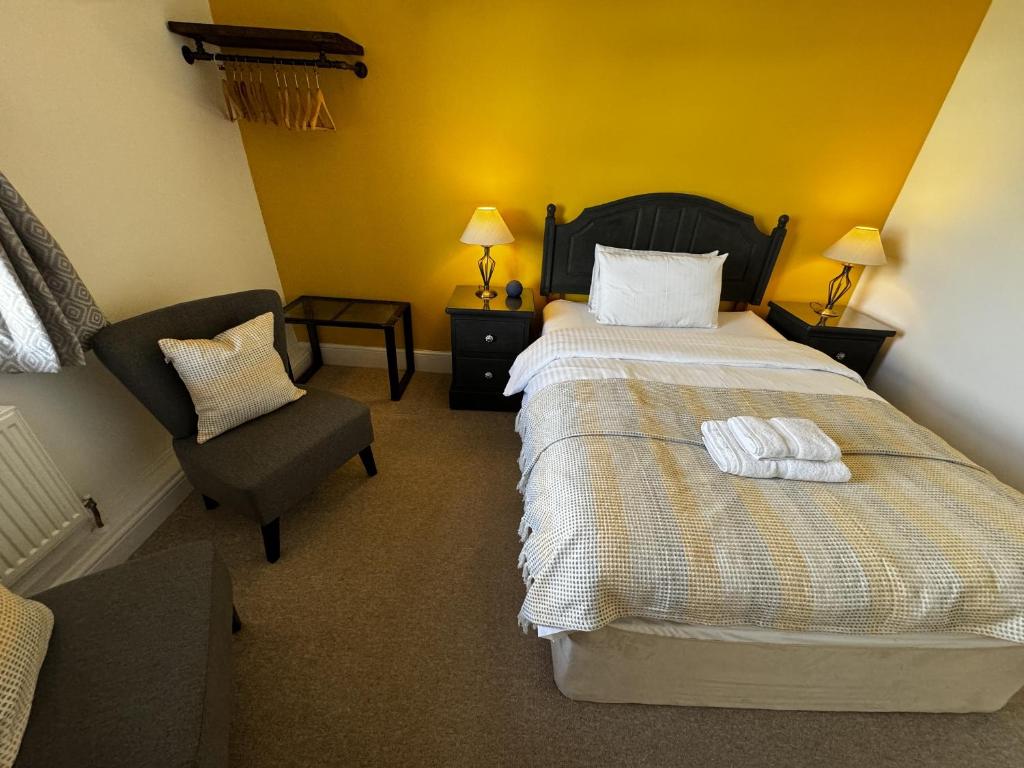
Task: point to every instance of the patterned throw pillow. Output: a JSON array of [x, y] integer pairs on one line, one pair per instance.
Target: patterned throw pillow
[[233, 377], [25, 628]]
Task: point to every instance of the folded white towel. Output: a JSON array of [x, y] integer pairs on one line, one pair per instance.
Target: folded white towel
[[783, 438], [729, 456], [758, 438]]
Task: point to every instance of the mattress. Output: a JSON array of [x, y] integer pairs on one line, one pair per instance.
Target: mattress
[[565, 315]]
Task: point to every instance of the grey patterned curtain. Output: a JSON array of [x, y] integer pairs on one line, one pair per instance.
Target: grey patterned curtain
[[47, 315]]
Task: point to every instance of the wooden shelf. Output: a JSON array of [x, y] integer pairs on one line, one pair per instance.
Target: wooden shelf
[[266, 38]]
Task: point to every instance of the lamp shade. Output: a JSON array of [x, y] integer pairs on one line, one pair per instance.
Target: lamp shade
[[486, 227], [861, 245]]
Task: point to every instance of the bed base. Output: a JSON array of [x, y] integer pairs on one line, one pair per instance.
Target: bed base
[[616, 666]]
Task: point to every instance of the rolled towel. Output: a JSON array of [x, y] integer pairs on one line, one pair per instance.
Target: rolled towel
[[783, 438], [729, 456]]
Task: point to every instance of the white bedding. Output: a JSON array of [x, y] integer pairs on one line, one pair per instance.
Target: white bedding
[[575, 346], [562, 314], [654, 354]]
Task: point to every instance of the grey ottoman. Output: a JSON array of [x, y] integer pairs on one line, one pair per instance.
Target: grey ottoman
[[138, 672]]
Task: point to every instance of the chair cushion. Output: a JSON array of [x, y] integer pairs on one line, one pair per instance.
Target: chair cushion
[[233, 377], [269, 463], [139, 667], [25, 628]]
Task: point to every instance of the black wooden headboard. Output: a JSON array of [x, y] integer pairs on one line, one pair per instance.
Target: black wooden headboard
[[663, 221]]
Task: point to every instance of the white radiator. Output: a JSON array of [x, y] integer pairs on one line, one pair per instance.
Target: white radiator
[[38, 509]]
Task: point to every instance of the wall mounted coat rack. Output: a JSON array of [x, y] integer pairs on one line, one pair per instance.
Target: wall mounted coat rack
[[268, 39]]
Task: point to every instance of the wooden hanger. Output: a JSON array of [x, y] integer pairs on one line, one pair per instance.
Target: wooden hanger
[[269, 113], [253, 92], [282, 99], [252, 96], [297, 107], [307, 102], [320, 116], [238, 83], [230, 106]]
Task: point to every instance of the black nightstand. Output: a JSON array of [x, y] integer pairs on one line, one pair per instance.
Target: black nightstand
[[853, 338], [487, 335]]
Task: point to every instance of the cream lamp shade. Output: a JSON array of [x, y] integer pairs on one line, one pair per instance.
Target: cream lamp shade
[[487, 228], [861, 245]]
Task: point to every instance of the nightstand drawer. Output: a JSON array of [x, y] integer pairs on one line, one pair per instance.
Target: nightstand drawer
[[481, 374], [857, 354], [490, 337]]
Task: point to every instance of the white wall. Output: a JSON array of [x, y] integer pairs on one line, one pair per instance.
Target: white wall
[[119, 147], [956, 242]]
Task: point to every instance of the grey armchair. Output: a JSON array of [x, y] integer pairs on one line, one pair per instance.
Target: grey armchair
[[264, 466]]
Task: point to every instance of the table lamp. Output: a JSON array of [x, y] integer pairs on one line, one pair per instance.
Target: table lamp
[[861, 245], [486, 228]]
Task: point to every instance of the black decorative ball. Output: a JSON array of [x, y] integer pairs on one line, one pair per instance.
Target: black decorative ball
[[514, 289]]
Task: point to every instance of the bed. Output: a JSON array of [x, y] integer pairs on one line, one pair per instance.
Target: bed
[[657, 580]]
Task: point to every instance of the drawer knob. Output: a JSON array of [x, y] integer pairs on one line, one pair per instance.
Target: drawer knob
[[840, 356], [489, 338], [488, 375]]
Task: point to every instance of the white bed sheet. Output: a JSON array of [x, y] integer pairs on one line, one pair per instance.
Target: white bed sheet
[[566, 315], [562, 314]]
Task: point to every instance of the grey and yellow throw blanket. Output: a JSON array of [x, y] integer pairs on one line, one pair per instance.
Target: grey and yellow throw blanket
[[626, 516]]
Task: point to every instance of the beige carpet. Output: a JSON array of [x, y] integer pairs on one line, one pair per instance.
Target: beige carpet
[[386, 635]]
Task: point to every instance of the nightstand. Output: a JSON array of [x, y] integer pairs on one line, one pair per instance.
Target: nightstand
[[487, 335], [853, 338]]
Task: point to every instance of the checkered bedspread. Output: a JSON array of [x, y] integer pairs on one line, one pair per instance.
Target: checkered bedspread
[[626, 516]]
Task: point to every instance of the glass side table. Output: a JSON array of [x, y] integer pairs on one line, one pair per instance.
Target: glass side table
[[338, 312]]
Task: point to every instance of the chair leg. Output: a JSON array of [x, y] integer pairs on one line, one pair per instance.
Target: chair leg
[[210, 503], [236, 623], [272, 539], [367, 456]]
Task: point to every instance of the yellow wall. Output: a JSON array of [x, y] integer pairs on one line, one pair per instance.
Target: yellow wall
[[815, 109]]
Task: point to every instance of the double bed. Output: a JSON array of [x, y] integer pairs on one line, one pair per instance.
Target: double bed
[[657, 579]]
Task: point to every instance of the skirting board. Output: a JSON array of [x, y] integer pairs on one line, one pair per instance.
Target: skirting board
[[427, 360], [129, 520]]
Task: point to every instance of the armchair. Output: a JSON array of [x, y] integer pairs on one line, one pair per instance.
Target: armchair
[[263, 466]]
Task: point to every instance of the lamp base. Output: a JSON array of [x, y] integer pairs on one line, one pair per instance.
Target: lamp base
[[837, 288], [486, 265], [822, 310]]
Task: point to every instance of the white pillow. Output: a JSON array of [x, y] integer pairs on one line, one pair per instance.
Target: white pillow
[[25, 628], [607, 252], [233, 377], [656, 288]]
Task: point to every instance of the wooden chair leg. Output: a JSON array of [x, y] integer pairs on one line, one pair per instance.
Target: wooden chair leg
[[236, 623], [272, 539], [367, 456], [210, 503]]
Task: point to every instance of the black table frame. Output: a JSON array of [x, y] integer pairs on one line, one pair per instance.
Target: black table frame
[[403, 312]]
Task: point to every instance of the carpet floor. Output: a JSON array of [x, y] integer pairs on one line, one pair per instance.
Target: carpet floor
[[386, 634]]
